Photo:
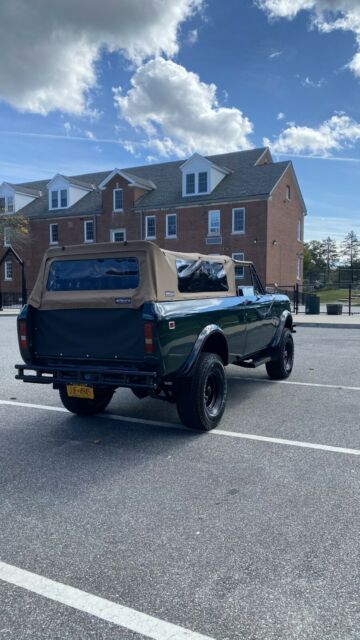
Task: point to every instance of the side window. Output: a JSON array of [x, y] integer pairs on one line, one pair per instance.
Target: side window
[[150, 227], [238, 220], [198, 276], [214, 223], [118, 235], [171, 225], [54, 234], [89, 231], [117, 199], [8, 267]]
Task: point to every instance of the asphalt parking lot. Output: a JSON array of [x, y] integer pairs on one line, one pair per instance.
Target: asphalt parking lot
[[129, 526]]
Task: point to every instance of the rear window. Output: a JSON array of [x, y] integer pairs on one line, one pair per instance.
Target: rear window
[[201, 276], [99, 274]]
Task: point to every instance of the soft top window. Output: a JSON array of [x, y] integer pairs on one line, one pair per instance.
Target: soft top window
[[99, 274], [195, 276]]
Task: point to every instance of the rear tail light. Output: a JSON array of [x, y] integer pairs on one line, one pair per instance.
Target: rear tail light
[[23, 337], [148, 337]]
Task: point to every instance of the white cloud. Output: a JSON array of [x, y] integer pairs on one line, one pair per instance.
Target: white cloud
[[280, 116], [327, 16], [49, 53], [335, 134], [179, 113], [275, 54], [67, 127], [90, 135], [313, 84], [192, 36]]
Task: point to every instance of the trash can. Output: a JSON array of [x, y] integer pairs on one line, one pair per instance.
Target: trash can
[[334, 309], [312, 304]]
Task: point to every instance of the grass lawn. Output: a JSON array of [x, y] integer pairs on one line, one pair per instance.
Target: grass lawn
[[336, 295]]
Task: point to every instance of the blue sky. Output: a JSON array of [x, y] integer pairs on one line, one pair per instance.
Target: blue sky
[[125, 82]]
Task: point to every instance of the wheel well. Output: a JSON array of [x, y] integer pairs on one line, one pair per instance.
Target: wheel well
[[289, 323], [216, 343]]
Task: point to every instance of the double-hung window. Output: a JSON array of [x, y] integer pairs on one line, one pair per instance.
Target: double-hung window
[[171, 225], [202, 182], [89, 231], [118, 235], [238, 220], [8, 270], [214, 223], [63, 198], [10, 204], [150, 227], [190, 183], [239, 271], [55, 199], [7, 237], [54, 234], [117, 200]]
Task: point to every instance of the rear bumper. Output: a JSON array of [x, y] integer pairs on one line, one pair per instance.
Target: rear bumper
[[89, 375]]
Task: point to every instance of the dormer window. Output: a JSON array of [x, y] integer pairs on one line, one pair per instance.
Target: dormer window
[[10, 204], [59, 198], [203, 182], [190, 183]]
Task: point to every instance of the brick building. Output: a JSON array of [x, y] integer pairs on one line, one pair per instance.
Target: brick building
[[241, 204]]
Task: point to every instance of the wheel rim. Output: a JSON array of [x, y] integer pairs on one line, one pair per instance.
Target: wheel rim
[[288, 355], [212, 395]]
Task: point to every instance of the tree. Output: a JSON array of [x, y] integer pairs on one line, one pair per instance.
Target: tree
[[329, 253], [14, 228], [350, 249]]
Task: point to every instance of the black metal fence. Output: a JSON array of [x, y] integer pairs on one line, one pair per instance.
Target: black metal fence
[[11, 300], [314, 299]]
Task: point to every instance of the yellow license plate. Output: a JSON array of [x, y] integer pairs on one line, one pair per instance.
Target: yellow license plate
[[80, 391]]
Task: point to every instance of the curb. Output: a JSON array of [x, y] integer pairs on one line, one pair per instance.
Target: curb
[[326, 325]]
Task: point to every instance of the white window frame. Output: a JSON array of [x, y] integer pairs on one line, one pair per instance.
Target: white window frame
[[210, 232], [299, 230], [207, 182], [88, 240], [114, 231], [8, 278], [190, 193], [147, 237], [58, 191], [233, 231], [172, 235], [288, 192], [298, 267], [7, 236], [235, 256], [114, 199], [12, 205], [51, 241]]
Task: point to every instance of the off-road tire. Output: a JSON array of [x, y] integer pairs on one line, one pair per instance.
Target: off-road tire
[[201, 398], [84, 407], [281, 366]]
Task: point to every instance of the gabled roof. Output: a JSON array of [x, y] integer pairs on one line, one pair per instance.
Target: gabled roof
[[134, 181], [23, 190], [72, 181], [223, 170]]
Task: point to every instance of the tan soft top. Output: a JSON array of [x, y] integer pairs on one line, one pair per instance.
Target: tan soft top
[[158, 276]]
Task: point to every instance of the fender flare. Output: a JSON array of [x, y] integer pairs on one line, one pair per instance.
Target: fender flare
[[286, 320], [204, 335]]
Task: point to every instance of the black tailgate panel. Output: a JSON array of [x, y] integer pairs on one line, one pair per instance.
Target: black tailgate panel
[[89, 333]]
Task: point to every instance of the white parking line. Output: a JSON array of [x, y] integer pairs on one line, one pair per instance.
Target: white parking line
[[295, 383], [215, 432], [100, 607]]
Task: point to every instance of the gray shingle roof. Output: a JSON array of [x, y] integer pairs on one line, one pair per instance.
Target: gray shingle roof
[[246, 181]]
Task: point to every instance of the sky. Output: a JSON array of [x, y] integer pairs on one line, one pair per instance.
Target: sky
[[89, 86]]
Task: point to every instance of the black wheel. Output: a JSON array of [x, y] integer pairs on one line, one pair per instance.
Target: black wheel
[[200, 399], [282, 365], [86, 407]]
